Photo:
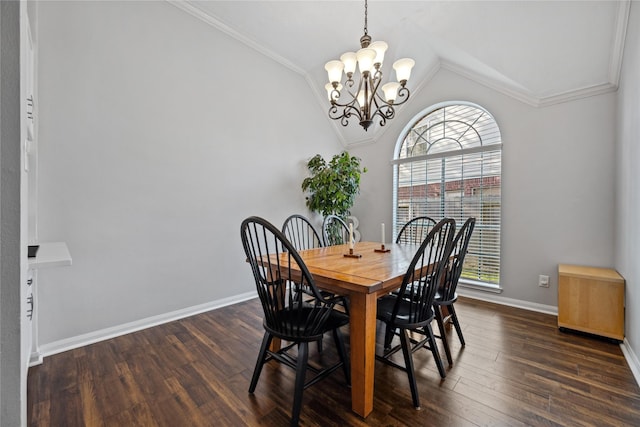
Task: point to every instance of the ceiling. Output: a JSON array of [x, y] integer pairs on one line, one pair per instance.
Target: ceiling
[[539, 52]]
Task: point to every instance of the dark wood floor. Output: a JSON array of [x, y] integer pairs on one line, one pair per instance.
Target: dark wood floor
[[516, 369]]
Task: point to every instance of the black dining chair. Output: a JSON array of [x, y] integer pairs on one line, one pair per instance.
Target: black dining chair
[[415, 231], [301, 233], [411, 309], [274, 260], [446, 293], [335, 231]]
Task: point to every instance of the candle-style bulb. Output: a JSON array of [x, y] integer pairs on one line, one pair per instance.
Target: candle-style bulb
[[351, 235]]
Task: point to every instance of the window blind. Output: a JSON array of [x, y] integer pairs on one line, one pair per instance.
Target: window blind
[[449, 165]]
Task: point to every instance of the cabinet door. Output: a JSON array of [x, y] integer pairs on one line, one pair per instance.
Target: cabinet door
[[591, 305]]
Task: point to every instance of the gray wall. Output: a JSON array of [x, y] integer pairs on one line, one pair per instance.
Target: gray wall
[[12, 394], [157, 136], [557, 182], [627, 243]]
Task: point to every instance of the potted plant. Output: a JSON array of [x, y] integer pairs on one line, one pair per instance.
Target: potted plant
[[333, 185]]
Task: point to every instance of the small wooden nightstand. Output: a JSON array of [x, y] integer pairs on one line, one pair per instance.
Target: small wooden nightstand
[[591, 300]]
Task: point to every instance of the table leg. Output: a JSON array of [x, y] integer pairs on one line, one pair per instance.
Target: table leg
[[276, 345], [362, 315]]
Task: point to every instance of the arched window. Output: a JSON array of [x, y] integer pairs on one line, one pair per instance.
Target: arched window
[[448, 164]]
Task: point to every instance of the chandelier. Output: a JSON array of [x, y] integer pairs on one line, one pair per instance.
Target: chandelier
[[366, 102]]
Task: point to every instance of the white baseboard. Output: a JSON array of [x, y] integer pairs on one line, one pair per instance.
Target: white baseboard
[[632, 359], [491, 297], [35, 358], [105, 334]]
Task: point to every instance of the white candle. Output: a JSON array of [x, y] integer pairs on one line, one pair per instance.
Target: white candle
[[382, 240], [351, 235]]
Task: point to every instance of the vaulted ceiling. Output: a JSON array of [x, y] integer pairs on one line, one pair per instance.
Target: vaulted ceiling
[[539, 52]]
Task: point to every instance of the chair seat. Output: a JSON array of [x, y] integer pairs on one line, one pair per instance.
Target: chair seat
[[438, 300], [387, 303], [293, 324]]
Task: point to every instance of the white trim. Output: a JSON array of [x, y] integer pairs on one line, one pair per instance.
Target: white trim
[[479, 286], [632, 359], [521, 96], [615, 65], [35, 359], [491, 297], [115, 331], [195, 11], [460, 152], [617, 49], [527, 97], [576, 94]]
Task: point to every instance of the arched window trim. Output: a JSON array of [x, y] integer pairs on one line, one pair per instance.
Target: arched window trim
[[397, 161]]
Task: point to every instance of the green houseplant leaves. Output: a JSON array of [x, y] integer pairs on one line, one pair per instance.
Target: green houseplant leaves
[[333, 186]]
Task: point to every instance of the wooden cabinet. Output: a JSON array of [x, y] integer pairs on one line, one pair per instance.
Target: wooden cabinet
[[591, 300]]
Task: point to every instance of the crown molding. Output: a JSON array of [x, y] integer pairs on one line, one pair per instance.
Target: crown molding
[[527, 97], [617, 49], [615, 65], [521, 96], [576, 94], [195, 11]]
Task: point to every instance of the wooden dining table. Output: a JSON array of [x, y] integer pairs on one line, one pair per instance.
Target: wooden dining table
[[363, 280]]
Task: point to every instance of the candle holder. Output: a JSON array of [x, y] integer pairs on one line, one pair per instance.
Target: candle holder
[[382, 249], [352, 255]]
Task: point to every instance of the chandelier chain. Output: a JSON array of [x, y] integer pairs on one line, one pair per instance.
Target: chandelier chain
[[365, 18]]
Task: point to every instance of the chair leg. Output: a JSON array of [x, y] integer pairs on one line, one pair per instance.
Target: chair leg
[[345, 303], [301, 368], [319, 345], [445, 342], [434, 350], [337, 336], [454, 317], [408, 363], [388, 336], [266, 342]]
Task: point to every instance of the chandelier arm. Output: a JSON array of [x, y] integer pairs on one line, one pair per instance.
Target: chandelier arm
[[354, 96], [375, 84], [345, 114], [348, 104], [380, 98], [403, 94], [386, 112], [344, 120], [370, 98]]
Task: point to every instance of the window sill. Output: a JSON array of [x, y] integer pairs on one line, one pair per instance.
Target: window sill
[[479, 286]]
